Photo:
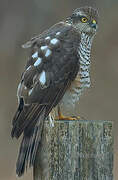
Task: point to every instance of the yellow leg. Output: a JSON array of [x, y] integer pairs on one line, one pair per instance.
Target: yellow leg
[[61, 117]]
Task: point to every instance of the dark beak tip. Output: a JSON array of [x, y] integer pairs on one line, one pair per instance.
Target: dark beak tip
[[94, 26]]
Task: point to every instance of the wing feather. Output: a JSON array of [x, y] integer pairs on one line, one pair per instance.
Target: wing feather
[[52, 65], [59, 66]]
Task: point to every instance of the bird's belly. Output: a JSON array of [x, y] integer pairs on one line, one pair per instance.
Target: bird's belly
[[72, 95]]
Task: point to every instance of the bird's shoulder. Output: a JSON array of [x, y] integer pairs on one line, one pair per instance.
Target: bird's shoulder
[[53, 57], [61, 30]]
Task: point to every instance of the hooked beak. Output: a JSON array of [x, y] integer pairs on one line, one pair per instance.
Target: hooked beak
[[93, 24]]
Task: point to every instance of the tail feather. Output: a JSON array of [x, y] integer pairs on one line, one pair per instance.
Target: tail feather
[[29, 146], [21, 164], [26, 118], [19, 110]]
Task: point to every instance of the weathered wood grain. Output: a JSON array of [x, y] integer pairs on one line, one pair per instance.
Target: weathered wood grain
[[75, 150]]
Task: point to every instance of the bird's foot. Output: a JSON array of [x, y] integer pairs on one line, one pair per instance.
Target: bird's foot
[[66, 118], [62, 117]]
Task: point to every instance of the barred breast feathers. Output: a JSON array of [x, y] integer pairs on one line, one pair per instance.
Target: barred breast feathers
[[82, 80]]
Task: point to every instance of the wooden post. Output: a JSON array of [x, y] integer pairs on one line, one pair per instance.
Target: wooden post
[[75, 150]]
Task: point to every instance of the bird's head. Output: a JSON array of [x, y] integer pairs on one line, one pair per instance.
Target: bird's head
[[84, 20]]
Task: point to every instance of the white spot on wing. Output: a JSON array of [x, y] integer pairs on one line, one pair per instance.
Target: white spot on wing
[[18, 90], [54, 41], [44, 47], [47, 38], [48, 53], [28, 68], [39, 60], [35, 55], [42, 78], [30, 91], [58, 33], [51, 121]]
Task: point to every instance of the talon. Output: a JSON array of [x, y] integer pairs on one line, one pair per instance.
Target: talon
[[61, 117], [65, 118]]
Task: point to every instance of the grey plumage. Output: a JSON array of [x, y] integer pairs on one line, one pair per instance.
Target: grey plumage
[[58, 61], [27, 151]]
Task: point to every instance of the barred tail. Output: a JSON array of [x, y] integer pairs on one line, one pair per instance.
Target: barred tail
[[29, 146]]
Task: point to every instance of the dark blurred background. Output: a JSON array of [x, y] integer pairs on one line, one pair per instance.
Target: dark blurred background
[[21, 20]]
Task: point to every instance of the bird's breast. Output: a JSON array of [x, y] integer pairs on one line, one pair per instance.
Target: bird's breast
[[82, 79], [76, 88]]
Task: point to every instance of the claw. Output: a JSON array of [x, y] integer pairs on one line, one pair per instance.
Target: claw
[[65, 118], [61, 117]]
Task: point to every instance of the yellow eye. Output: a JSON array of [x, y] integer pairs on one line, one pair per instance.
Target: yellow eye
[[84, 19]]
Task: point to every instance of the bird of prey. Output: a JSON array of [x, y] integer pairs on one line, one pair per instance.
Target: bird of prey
[[56, 73]]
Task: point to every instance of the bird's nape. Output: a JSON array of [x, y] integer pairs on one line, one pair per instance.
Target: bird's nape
[[84, 19]]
